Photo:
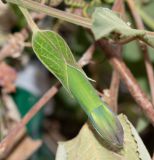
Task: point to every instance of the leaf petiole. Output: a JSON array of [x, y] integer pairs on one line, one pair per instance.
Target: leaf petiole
[[29, 19]]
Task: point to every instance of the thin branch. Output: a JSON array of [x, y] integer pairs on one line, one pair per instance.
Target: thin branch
[[147, 61], [136, 16], [115, 81], [72, 18], [118, 6], [29, 19], [84, 60], [149, 69], [114, 89], [128, 78], [45, 98], [66, 16], [7, 141], [126, 40]]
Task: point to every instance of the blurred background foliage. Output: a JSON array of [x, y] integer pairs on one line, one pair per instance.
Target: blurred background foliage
[[62, 118]]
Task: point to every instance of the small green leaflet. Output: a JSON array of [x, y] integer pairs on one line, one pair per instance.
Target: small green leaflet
[[108, 24], [54, 53]]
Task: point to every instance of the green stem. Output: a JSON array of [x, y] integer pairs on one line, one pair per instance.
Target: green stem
[[29, 19], [75, 19]]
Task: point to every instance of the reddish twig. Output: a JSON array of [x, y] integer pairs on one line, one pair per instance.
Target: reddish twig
[[45, 98], [128, 78], [114, 89], [84, 60], [126, 40], [149, 69], [9, 139], [118, 6], [131, 4], [115, 81], [147, 61]]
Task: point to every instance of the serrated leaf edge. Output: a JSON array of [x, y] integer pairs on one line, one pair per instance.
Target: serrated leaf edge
[[129, 125]]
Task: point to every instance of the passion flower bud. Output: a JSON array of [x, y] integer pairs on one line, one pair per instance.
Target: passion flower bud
[[55, 54], [102, 118], [108, 126]]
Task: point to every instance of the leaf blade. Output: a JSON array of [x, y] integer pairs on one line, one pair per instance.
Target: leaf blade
[[87, 146], [54, 53], [106, 22]]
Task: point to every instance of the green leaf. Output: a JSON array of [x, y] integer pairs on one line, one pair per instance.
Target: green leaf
[[88, 146], [108, 24], [54, 53]]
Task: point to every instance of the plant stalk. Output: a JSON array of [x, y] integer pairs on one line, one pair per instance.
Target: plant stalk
[[75, 19], [29, 19]]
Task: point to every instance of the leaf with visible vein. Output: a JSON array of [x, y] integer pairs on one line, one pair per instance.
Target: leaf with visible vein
[[86, 146], [108, 24], [54, 53]]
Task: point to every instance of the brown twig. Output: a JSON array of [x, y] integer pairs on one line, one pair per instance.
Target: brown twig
[[126, 40], [132, 85], [147, 61], [149, 69], [45, 98], [72, 18], [114, 89], [115, 81], [138, 21], [9, 139], [84, 60], [118, 6]]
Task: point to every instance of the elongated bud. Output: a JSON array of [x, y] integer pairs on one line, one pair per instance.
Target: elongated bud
[[108, 126], [102, 118], [55, 54]]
